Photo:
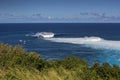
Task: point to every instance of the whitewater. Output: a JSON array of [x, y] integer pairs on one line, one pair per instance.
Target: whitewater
[[93, 42]]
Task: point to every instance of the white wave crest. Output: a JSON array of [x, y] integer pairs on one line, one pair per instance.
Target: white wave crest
[[93, 42], [33, 34], [42, 34]]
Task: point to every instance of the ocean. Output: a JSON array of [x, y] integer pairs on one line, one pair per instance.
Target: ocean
[[94, 42]]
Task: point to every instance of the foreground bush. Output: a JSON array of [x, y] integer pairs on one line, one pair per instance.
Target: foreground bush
[[17, 64]]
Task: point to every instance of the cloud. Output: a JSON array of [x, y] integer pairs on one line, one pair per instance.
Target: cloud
[[49, 17], [100, 16], [39, 17], [84, 14], [7, 15], [97, 14], [20, 16]]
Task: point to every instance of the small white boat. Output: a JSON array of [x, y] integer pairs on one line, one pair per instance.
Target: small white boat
[[44, 34]]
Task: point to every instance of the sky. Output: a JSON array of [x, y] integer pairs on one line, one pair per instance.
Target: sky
[[59, 11]]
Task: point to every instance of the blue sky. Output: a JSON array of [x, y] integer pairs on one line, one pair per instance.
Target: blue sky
[[44, 11]]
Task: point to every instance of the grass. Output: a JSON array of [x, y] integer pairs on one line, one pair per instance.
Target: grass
[[18, 64]]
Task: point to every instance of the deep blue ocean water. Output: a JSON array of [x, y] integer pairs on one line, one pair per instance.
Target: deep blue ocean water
[[71, 39]]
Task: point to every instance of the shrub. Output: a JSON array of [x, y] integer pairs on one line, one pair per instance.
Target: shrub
[[73, 63], [16, 56], [18, 64]]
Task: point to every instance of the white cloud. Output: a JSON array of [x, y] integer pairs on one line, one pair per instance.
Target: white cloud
[[39, 17], [49, 17]]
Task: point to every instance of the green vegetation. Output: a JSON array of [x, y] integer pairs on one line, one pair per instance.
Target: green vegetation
[[17, 64]]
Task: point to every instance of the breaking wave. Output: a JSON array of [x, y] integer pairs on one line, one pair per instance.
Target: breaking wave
[[93, 42]]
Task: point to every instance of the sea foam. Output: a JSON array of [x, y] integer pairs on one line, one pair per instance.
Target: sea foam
[[93, 42]]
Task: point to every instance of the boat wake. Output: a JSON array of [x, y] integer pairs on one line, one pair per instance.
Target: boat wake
[[93, 42], [42, 35]]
